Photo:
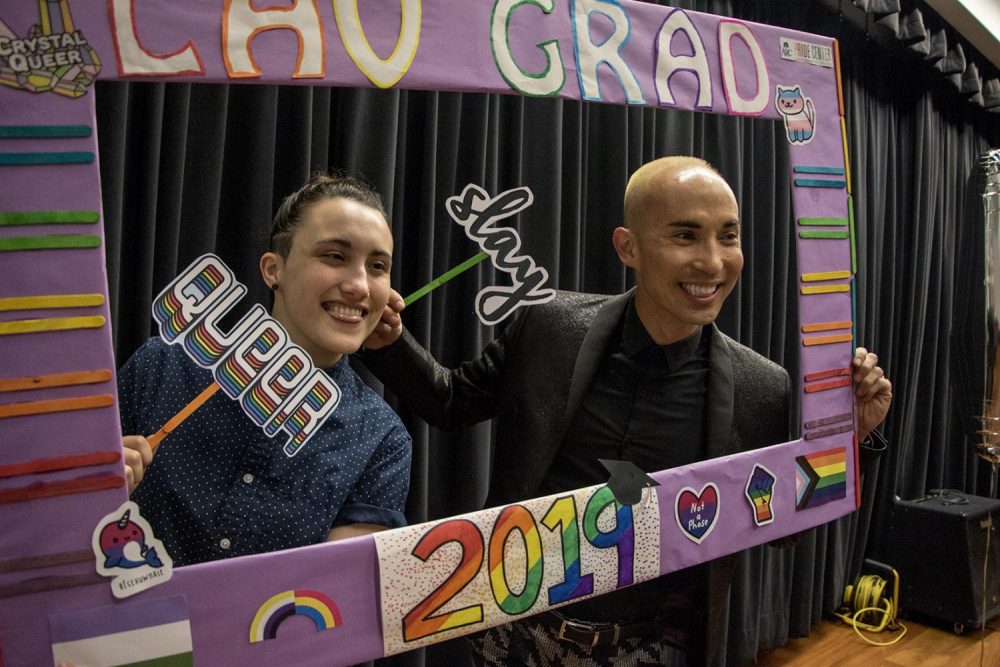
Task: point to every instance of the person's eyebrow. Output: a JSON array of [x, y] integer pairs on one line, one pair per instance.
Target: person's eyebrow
[[690, 224], [346, 244]]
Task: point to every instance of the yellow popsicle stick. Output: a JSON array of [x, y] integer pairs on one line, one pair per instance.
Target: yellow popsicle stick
[[51, 301], [51, 324]]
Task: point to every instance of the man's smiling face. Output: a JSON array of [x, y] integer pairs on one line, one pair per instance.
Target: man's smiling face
[[684, 246]]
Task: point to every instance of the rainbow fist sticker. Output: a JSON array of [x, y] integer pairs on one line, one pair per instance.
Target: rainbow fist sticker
[[760, 492], [312, 604], [820, 477], [696, 512]]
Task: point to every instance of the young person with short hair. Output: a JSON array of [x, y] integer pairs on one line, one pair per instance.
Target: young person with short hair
[[218, 487]]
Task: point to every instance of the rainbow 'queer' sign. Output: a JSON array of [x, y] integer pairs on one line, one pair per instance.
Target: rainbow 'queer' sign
[[273, 379]]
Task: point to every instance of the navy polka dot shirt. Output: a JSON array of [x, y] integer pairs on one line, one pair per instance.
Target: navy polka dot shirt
[[218, 487]]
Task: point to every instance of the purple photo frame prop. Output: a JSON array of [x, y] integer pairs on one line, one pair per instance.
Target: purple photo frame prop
[[52, 493]]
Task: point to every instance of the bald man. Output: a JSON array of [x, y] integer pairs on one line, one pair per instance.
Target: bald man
[[643, 376]]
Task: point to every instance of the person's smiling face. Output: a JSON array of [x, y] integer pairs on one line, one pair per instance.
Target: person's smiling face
[[334, 284], [685, 249]]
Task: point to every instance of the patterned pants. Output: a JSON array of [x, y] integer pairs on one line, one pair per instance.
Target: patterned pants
[[533, 644]]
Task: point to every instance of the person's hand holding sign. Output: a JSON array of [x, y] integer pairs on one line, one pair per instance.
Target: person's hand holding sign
[[137, 456], [390, 326], [872, 389]]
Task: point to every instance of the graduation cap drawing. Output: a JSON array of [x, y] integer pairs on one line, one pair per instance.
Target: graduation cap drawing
[[627, 480]]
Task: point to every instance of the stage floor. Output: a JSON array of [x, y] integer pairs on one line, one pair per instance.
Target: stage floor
[[834, 643]]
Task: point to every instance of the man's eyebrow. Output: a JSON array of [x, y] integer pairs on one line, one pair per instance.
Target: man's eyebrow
[[690, 224], [346, 244]]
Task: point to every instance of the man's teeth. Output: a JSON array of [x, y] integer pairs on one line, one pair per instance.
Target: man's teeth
[[699, 290], [344, 311]]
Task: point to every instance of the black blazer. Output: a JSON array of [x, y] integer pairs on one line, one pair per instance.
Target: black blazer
[[533, 377]]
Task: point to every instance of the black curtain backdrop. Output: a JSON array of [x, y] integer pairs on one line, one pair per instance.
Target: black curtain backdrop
[[189, 169]]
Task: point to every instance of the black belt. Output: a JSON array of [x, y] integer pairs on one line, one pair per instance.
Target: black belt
[[598, 634]]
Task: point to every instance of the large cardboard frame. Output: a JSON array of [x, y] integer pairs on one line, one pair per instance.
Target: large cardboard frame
[[54, 317]]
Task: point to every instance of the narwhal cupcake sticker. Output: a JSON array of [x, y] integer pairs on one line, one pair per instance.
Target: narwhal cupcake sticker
[[127, 550]]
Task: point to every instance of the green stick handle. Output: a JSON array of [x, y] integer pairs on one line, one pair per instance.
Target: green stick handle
[[445, 277]]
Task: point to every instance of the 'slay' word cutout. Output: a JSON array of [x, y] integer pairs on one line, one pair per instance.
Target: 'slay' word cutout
[[255, 363], [476, 211]]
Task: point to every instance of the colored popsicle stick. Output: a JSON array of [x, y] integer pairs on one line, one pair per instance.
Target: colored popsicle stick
[[54, 380], [51, 324]]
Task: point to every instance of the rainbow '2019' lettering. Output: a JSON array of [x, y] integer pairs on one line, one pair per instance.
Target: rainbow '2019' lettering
[[517, 522]]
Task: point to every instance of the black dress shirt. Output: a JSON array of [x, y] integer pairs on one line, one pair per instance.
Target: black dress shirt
[[646, 405]]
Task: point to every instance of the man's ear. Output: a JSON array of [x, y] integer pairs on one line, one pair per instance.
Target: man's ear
[[624, 242], [270, 268]]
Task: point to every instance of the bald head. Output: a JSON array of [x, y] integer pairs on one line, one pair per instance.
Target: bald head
[[654, 180]]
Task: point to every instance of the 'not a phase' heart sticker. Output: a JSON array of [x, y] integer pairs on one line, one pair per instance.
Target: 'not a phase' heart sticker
[[696, 512]]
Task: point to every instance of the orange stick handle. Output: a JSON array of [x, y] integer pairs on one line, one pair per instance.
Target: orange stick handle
[[178, 419]]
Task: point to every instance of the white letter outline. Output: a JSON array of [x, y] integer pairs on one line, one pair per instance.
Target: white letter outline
[[383, 73], [607, 52], [739, 106], [696, 63], [546, 83], [310, 62], [134, 59]]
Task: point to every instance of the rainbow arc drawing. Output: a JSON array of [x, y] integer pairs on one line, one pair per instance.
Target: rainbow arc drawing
[[312, 604]]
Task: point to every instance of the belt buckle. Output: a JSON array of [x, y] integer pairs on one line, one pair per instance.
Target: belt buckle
[[585, 628]]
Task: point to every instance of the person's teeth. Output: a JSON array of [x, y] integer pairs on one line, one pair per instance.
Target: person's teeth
[[699, 290], [347, 311]]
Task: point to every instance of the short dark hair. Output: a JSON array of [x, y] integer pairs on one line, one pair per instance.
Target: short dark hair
[[321, 185]]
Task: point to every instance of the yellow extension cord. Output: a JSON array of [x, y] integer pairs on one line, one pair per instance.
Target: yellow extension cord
[[865, 602]]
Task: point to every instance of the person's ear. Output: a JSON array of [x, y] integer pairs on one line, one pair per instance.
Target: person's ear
[[271, 265], [625, 245]]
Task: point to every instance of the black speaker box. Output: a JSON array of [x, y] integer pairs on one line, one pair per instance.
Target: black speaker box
[[938, 544]]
